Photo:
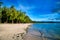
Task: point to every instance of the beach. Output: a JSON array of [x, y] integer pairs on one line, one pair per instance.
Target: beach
[[41, 31], [13, 31]]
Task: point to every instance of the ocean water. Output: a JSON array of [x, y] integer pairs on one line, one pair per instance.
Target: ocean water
[[51, 31]]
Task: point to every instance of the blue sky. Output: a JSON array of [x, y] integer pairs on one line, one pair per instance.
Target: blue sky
[[37, 10]]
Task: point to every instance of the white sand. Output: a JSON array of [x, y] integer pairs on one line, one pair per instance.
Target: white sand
[[7, 31]]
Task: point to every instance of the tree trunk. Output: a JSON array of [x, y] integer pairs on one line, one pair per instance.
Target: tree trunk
[[17, 21], [0, 15], [0, 20], [7, 20], [12, 21]]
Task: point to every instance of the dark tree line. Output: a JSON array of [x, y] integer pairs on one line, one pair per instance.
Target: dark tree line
[[11, 15]]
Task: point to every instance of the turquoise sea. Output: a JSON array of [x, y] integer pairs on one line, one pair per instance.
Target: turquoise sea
[[51, 31]]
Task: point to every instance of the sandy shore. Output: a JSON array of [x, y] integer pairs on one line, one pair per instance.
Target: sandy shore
[[10, 31]]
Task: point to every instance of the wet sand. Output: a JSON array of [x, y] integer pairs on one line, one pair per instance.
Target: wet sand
[[33, 35], [12, 31]]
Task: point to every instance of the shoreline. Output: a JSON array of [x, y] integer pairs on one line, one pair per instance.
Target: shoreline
[[8, 30]]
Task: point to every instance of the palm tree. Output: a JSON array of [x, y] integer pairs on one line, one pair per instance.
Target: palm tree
[[12, 13], [4, 14], [0, 11], [27, 19]]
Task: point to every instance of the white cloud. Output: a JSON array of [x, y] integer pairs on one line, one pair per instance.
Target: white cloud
[[50, 17], [58, 2], [25, 8]]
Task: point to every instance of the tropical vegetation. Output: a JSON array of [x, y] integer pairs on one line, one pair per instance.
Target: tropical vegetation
[[11, 15]]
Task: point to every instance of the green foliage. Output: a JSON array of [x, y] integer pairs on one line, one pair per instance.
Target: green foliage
[[11, 15], [0, 10]]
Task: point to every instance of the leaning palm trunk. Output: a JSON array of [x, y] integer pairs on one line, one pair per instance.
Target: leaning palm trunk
[[7, 20], [0, 19], [12, 21], [19, 21], [0, 13], [16, 21]]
